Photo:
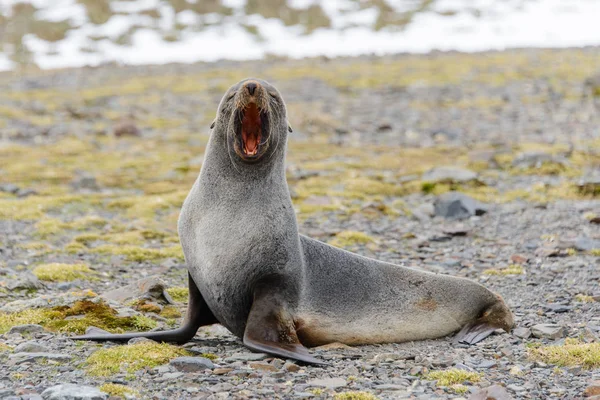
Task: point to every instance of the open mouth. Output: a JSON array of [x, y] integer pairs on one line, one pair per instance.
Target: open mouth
[[251, 127]]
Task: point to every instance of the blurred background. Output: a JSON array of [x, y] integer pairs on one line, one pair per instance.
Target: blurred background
[[71, 33]]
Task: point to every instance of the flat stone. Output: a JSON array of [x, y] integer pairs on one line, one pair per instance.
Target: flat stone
[[333, 346], [191, 364], [26, 280], [389, 386], [222, 371], [522, 333], [593, 389], [586, 244], [70, 391], [485, 364], [494, 392], [246, 357], [456, 230], [548, 331], [558, 308], [449, 174], [27, 329], [9, 188], [20, 358], [458, 206], [263, 366], [330, 383], [291, 367], [31, 347], [151, 287]]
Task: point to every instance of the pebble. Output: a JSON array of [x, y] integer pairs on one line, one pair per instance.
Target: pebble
[[20, 358], [291, 367], [457, 205], [70, 391], [246, 357], [523, 333], [191, 364], [330, 383], [262, 366], [494, 392], [548, 331], [449, 174], [31, 347]]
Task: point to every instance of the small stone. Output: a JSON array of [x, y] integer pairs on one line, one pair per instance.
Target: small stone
[[152, 287], [191, 364], [486, 364], [593, 389], [330, 383], [222, 371], [70, 391], [263, 366], [586, 244], [26, 192], [139, 340], [84, 181], [548, 331], [449, 174], [457, 205], [26, 329], [26, 280], [557, 308], [494, 392], [523, 333], [456, 230], [389, 386], [126, 127], [31, 347], [291, 367], [518, 259]]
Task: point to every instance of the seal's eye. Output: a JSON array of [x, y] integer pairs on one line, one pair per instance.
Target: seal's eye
[[273, 96], [231, 96]]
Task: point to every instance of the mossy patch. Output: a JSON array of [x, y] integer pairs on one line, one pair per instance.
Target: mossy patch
[[595, 252], [355, 396], [572, 352], [5, 348], [179, 293], [76, 319], [114, 389], [58, 272], [140, 254], [513, 269], [453, 376], [131, 358], [170, 312], [350, 238], [583, 298]]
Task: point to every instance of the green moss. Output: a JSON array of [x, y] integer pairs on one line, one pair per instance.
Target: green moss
[[571, 353], [170, 312], [49, 227], [350, 238], [5, 348], [77, 318], [513, 269], [140, 254], [595, 252], [63, 272], [114, 389], [354, 396], [109, 361], [453, 376], [582, 298], [179, 294]]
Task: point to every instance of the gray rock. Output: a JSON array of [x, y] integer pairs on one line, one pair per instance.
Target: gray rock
[[389, 386], [26, 280], [20, 358], [586, 244], [191, 364], [548, 331], [458, 205], [330, 383], [557, 308], [70, 391], [31, 347], [535, 159], [26, 329], [494, 392], [9, 188], [449, 174], [84, 181], [151, 287], [522, 333]]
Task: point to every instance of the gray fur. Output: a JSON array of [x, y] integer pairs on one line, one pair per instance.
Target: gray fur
[[241, 243]]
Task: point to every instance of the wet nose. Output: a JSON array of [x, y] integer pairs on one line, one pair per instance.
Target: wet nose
[[251, 86]]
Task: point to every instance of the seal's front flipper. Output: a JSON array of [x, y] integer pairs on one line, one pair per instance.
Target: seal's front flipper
[[474, 333], [198, 314], [270, 329]]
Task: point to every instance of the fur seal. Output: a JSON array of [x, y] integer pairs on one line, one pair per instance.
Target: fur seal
[[281, 292]]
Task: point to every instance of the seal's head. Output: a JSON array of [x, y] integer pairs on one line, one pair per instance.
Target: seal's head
[[255, 116]]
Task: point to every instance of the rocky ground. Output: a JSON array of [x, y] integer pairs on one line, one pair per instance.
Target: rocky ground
[[482, 166]]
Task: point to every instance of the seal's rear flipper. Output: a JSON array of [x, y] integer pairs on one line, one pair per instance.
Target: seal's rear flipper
[[474, 333], [198, 314], [270, 329]]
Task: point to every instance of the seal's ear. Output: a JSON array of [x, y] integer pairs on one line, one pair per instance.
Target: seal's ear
[[290, 130], [213, 124]]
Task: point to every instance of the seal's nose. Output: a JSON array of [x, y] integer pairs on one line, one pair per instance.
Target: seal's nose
[[251, 86]]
